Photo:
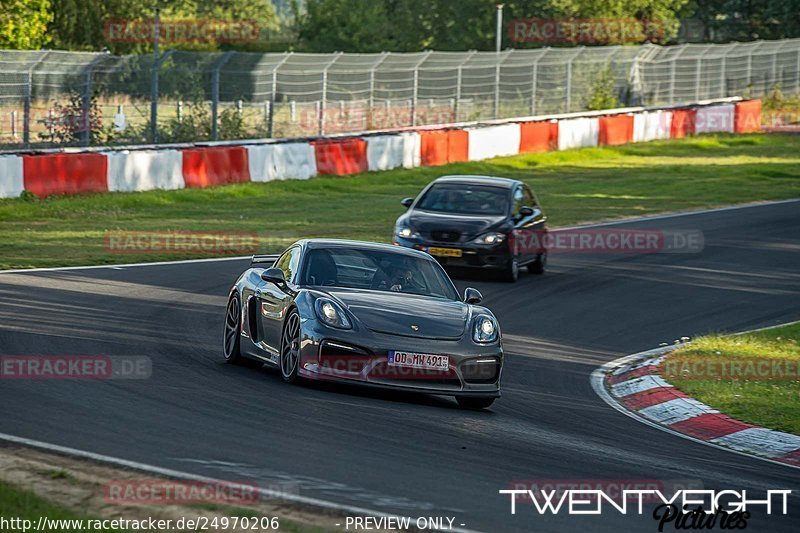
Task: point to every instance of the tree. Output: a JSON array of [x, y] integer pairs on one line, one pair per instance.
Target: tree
[[23, 23]]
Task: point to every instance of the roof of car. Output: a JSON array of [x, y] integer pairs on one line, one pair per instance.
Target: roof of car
[[346, 243], [479, 180]]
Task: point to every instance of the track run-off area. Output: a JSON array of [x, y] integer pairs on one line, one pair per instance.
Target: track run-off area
[[405, 454]]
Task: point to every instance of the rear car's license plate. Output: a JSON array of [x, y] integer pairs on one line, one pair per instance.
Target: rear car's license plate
[[445, 252], [419, 360]]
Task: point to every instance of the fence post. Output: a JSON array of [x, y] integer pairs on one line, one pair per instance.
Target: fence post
[[271, 103], [496, 104], [459, 77], [797, 85], [672, 74], [215, 93], [86, 102], [569, 78], [324, 101], [371, 101], [415, 93], [697, 74], [154, 94], [26, 116]]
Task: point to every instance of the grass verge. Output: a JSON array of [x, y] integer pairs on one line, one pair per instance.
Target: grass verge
[[36, 484], [573, 186], [766, 391], [26, 508]]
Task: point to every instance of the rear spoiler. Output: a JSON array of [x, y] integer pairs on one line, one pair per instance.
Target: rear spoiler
[[267, 260]]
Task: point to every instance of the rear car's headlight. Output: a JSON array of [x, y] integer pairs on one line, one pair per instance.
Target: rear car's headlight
[[484, 329], [405, 232], [332, 314], [490, 238]]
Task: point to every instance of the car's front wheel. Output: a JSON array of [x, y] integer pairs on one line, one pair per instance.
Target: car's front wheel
[[466, 402], [511, 271], [290, 347], [231, 331]]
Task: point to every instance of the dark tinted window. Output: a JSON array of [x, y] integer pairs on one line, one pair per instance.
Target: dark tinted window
[[378, 270], [465, 199]]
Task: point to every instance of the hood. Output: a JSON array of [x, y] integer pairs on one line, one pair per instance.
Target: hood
[[395, 313], [468, 226]]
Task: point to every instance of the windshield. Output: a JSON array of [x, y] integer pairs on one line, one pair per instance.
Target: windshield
[[465, 199], [376, 270]]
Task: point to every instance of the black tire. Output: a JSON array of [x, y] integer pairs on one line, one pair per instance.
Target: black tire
[[474, 404], [538, 266], [231, 333], [511, 271], [290, 347]]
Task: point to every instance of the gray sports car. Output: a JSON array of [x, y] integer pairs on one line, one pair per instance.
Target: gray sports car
[[365, 313]]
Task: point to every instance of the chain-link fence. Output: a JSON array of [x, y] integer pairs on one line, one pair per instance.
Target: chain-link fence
[[55, 98]]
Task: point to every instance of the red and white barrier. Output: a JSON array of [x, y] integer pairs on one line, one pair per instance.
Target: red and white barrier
[[715, 119], [615, 130], [493, 141], [385, 152], [218, 165], [11, 181], [44, 175], [144, 170], [651, 126], [174, 168], [285, 161], [578, 133], [538, 136]]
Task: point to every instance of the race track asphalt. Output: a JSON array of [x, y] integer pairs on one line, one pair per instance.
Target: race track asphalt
[[412, 455]]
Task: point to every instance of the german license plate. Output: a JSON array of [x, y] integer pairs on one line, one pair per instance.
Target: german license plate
[[445, 252], [419, 360]]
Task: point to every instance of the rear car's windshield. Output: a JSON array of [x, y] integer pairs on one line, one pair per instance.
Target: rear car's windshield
[[376, 270], [465, 199]]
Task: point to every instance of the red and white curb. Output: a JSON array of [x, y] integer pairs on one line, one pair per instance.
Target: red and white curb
[[632, 385]]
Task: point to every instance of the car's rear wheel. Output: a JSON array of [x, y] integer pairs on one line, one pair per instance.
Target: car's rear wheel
[[538, 266], [290, 347], [511, 270], [466, 402], [232, 330]]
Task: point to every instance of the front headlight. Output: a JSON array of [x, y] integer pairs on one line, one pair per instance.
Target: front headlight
[[490, 238], [405, 232], [331, 314], [484, 329]]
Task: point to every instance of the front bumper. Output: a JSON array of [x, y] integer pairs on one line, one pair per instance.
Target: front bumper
[[361, 357], [472, 255]]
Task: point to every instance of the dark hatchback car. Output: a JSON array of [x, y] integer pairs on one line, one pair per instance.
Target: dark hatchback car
[[476, 222]]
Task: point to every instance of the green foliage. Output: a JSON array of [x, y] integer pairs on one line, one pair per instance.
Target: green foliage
[[414, 25], [81, 24], [23, 24], [73, 120], [604, 94]]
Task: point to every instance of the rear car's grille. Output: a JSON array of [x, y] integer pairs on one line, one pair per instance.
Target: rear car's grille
[[446, 236]]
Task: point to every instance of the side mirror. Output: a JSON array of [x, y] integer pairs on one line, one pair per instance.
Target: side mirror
[[407, 202], [525, 211], [472, 296], [274, 275]]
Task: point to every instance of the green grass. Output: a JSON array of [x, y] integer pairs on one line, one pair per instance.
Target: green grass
[[773, 403], [573, 186], [25, 505]]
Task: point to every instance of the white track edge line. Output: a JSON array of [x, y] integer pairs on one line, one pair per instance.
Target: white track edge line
[[176, 474], [642, 218], [597, 380]]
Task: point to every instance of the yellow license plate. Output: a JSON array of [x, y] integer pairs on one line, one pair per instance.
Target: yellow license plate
[[445, 252]]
